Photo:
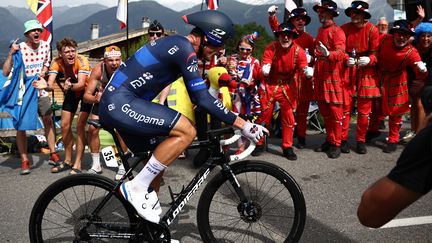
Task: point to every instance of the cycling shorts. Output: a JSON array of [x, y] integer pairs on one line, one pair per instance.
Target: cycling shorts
[[71, 102], [137, 120]]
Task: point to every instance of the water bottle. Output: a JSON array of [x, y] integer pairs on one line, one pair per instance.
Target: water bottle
[[308, 56], [353, 53]]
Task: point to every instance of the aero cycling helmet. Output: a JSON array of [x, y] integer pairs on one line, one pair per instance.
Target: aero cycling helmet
[[216, 25]]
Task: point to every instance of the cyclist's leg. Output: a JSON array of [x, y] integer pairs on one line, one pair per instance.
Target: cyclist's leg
[[138, 120], [382, 201], [165, 153]]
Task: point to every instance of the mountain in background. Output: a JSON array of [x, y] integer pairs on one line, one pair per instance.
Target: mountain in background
[[12, 30], [61, 15], [239, 12], [76, 22]]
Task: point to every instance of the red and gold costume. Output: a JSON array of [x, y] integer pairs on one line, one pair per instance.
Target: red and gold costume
[[304, 40], [282, 86], [328, 83], [360, 81], [392, 64]]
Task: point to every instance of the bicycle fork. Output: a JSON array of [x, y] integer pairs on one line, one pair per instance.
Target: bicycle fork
[[249, 212]]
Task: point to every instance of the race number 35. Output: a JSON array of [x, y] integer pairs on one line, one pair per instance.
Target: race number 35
[[109, 155]]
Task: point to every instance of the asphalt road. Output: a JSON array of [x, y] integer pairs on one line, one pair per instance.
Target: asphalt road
[[332, 189]]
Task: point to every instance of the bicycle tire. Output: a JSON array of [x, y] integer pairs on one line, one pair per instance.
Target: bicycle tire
[[66, 203], [275, 194]]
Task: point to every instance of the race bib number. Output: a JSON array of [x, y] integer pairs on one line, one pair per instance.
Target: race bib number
[[109, 156]]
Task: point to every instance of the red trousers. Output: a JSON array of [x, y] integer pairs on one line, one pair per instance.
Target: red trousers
[[286, 113], [301, 118], [377, 116], [332, 114], [394, 128], [364, 108]]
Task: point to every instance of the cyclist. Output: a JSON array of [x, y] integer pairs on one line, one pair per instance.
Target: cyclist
[[126, 102]]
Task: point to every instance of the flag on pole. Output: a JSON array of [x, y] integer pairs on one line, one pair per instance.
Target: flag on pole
[[290, 5], [122, 13], [212, 4], [43, 11]]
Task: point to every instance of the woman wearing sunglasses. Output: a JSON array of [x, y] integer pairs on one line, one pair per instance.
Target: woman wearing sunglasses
[[245, 69]]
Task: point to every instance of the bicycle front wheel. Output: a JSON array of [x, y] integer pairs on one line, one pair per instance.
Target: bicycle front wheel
[[275, 211], [63, 212]]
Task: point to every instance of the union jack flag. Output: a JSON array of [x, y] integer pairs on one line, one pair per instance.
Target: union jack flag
[[43, 11], [212, 4]]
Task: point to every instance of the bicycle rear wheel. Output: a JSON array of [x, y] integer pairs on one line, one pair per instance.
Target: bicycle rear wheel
[[277, 203], [62, 213]]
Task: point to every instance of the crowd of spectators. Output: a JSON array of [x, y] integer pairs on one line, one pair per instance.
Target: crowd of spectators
[[381, 71]]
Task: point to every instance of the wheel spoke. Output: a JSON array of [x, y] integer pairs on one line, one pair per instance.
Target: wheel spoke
[[63, 212], [274, 199]]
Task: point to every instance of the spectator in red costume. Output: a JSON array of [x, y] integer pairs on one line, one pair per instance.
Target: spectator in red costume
[[282, 62], [362, 39], [395, 54], [330, 54], [300, 19]]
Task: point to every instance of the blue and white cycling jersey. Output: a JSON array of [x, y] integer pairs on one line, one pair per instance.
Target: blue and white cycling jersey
[[127, 97]]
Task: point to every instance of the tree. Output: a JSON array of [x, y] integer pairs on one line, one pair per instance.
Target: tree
[[134, 46]]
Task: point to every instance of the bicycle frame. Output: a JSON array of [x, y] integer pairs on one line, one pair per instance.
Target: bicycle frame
[[217, 158]]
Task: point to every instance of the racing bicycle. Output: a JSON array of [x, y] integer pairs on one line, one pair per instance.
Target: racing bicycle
[[244, 201]]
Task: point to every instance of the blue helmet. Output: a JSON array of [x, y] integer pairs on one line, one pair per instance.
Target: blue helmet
[[216, 25]]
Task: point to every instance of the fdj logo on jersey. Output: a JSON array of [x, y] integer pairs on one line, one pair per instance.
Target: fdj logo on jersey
[[193, 66], [137, 83]]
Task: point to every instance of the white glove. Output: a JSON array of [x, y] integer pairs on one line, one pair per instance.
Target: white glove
[[272, 10], [266, 69], [245, 81], [253, 131], [308, 71], [351, 62], [321, 48], [421, 66], [308, 58], [363, 61]]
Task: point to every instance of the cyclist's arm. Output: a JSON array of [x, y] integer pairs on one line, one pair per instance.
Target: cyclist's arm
[[187, 62]]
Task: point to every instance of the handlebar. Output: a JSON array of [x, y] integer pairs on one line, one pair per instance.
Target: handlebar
[[237, 135]]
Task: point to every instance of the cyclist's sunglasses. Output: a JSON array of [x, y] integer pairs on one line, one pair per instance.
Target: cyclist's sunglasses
[[158, 34]]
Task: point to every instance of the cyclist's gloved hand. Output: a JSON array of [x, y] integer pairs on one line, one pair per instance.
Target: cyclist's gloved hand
[[253, 131]]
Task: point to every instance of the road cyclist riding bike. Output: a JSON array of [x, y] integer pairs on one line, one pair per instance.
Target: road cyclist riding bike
[[126, 108], [127, 105]]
